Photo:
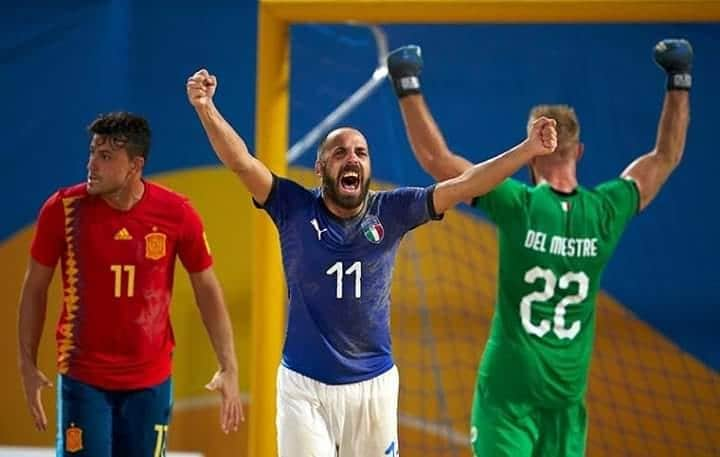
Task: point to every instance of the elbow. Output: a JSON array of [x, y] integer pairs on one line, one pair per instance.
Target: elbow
[[670, 158], [427, 161], [435, 163], [238, 166], [675, 161]]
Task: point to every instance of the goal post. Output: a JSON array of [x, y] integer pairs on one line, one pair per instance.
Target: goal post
[[271, 135]]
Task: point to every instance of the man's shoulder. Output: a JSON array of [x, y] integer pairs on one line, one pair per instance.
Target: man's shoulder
[[74, 190], [604, 192], [172, 205], [619, 182], [402, 191], [165, 194], [295, 186], [297, 195], [68, 194], [510, 190], [512, 186]]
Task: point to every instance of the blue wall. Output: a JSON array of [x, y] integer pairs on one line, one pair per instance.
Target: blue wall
[[60, 67]]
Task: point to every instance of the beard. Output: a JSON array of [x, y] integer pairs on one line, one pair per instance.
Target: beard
[[107, 186], [99, 188], [104, 188], [331, 190]]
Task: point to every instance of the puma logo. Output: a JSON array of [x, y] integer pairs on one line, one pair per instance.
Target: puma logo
[[317, 228]]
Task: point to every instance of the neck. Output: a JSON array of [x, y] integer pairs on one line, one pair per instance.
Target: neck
[[340, 212], [127, 196], [561, 178]]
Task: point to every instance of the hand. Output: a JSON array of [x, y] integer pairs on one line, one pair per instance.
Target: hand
[[542, 137], [201, 88], [231, 410], [34, 381], [675, 56], [404, 66]]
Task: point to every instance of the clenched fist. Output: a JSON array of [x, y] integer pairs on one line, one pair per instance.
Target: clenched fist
[[542, 136], [201, 88]]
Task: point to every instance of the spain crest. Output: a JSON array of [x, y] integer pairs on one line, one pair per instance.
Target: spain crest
[[373, 230], [155, 245], [73, 439]]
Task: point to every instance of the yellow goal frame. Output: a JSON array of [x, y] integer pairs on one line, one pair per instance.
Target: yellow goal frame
[[271, 133]]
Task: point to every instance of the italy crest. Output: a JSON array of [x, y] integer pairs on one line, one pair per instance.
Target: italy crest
[[373, 230]]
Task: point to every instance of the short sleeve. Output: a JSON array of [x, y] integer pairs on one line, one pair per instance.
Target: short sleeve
[[502, 203], [193, 246], [285, 197], [411, 206], [622, 200], [49, 238]]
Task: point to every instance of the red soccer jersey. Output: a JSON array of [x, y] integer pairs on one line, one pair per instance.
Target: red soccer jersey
[[114, 329]]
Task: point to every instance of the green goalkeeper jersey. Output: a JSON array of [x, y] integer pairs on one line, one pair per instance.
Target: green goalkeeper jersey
[[553, 249]]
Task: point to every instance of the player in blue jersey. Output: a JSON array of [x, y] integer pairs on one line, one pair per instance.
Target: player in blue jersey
[[337, 386]]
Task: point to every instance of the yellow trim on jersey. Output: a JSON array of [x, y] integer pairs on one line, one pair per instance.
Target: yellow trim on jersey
[[70, 297]]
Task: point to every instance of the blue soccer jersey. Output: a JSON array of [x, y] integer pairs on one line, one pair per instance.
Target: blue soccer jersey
[[338, 274]]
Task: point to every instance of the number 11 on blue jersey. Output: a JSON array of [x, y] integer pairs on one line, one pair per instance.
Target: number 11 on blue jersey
[[338, 270]]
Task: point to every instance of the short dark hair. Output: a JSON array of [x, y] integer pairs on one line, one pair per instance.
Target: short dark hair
[[124, 129]]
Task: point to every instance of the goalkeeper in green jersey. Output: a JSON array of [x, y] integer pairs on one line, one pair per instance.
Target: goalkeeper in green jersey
[[555, 238]]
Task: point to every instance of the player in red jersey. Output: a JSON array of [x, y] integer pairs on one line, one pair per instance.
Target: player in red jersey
[[117, 237]]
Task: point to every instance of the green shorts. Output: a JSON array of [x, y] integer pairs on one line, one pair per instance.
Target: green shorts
[[506, 429]]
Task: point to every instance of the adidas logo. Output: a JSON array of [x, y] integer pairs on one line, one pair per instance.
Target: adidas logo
[[123, 234]]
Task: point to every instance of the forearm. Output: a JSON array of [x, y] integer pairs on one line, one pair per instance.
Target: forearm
[[427, 141], [31, 320], [217, 323], [672, 127], [228, 145], [650, 171], [482, 177], [423, 133]]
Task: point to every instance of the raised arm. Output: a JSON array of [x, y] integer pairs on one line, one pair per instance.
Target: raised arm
[[426, 139], [228, 145], [483, 177], [651, 170]]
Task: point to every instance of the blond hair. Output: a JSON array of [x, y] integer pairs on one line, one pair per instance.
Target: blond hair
[[568, 126]]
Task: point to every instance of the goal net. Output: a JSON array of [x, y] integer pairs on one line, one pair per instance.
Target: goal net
[[646, 396]]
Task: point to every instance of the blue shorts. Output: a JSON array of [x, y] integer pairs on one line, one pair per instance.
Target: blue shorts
[[111, 423]]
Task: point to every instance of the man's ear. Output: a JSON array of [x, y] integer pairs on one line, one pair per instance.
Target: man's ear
[[580, 150], [137, 163]]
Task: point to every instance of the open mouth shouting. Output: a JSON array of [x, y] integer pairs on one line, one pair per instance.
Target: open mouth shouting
[[348, 188], [349, 180]]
